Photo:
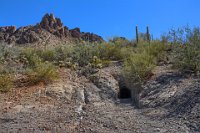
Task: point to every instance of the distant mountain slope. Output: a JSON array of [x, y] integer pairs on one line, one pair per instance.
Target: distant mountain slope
[[49, 28]]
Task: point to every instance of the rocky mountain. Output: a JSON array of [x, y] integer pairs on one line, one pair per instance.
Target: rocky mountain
[[49, 28]]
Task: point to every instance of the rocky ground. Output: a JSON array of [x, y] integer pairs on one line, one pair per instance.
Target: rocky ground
[[73, 104]]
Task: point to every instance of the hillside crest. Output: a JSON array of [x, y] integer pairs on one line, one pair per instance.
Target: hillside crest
[[50, 27]]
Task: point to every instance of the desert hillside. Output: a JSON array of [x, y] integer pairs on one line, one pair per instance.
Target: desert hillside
[[170, 104], [53, 79]]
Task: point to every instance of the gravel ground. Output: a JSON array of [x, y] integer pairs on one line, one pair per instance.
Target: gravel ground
[[91, 109]]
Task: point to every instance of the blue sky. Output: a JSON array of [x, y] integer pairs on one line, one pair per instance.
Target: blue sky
[[107, 18]]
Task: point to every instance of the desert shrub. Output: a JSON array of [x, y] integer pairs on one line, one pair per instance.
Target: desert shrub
[[4, 52], [36, 68], [187, 58], [8, 54], [139, 63], [158, 49], [6, 82], [32, 56], [47, 54], [83, 54], [186, 52], [9, 61], [42, 72], [29, 57], [112, 51], [138, 67], [155, 48], [99, 63], [63, 53], [8, 68]]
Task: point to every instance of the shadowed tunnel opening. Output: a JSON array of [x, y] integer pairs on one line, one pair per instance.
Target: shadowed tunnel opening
[[124, 93]]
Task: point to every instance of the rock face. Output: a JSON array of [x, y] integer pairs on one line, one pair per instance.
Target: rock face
[[6, 33], [54, 26], [76, 33], [48, 27]]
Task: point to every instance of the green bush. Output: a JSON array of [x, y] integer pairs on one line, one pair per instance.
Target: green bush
[[186, 52], [43, 72], [8, 53], [141, 61], [83, 54], [112, 51], [138, 67], [156, 49], [47, 54], [29, 57], [6, 82], [64, 53], [187, 58], [32, 56]]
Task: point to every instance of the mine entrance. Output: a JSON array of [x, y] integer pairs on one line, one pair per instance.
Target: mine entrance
[[124, 93]]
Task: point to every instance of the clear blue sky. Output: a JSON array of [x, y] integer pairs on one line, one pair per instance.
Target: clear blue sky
[[107, 18]]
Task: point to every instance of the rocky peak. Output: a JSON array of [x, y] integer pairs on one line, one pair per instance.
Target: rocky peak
[[49, 26], [49, 21], [54, 26]]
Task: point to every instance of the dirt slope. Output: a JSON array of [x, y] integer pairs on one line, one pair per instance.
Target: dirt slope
[[74, 104]]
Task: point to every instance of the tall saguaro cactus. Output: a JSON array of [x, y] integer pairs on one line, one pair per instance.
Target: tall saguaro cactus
[[148, 35], [137, 36]]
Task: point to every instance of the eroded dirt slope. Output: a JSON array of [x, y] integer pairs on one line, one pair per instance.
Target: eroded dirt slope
[[74, 104]]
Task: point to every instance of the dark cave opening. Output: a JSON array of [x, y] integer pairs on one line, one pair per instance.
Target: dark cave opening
[[124, 93]]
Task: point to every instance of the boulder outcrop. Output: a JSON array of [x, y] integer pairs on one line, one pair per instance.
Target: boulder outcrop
[[54, 26], [76, 33], [49, 26]]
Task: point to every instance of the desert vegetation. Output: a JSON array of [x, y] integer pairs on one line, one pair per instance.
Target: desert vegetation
[[83, 77], [180, 47]]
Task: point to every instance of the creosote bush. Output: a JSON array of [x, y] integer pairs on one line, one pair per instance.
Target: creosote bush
[[187, 58], [138, 67], [186, 52], [42, 72], [140, 63], [6, 82], [38, 67]]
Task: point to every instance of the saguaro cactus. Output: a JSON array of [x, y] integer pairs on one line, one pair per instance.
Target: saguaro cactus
[[148, 35], [137, 36]]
